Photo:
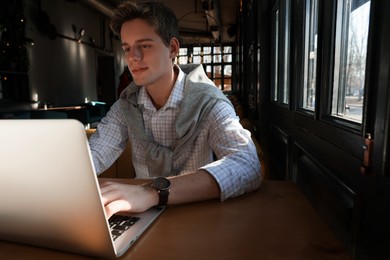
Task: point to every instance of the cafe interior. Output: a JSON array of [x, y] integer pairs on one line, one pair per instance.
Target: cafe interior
[[60, 60]]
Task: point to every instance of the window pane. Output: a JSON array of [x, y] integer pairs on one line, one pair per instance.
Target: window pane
[[217, 71], [286, 54], [217, 58], [350, 59], [197, 59], [276, 57], [227, 58], [206, 50], [207, 58], [227, 70], [227, 84], [310, 55], [183, 52], [196, 50], [182, 60]]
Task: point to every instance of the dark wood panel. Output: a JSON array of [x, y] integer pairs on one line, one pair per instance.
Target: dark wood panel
[[335, 202], [278, 149], [344, 138]]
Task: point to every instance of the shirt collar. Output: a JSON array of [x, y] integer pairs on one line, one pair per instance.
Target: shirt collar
[[174, 99]]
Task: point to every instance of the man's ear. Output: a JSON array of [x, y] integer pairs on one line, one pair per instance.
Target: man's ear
[[175, 46]]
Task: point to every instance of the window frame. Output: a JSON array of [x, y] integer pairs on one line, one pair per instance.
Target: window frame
[[305, 70], [326, 90], [217, 60], [281, 54]]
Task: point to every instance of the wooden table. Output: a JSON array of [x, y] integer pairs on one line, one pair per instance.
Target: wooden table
[[275, 222]]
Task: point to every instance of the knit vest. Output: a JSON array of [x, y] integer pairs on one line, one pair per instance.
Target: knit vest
[[200, 96]]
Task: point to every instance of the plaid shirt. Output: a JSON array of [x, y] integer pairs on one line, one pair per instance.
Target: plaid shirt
[[237, 169]]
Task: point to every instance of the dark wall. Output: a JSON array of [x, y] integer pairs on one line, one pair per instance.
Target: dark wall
[[63, 71]]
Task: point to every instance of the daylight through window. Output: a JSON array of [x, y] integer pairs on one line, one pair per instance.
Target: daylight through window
[[216, 60], [350, 59]]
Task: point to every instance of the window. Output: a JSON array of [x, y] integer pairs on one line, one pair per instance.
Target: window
[[217, 61], [182, 58], [281, 53], [310, 55], [350, 59], [275, 81], [286, 53]]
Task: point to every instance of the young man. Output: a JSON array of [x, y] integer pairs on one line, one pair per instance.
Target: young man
[[176, 120]]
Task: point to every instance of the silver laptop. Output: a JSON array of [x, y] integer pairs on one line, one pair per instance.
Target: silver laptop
[[49, 192]]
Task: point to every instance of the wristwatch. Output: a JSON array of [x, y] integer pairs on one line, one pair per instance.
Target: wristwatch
[[162, 186]]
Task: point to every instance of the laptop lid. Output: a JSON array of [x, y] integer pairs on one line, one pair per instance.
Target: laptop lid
[[49, 192]]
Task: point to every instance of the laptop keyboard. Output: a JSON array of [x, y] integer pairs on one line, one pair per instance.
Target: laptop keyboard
[[119, 224]]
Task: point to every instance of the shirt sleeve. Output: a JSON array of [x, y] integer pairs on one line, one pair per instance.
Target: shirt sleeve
[[110, 139], [237, 168]]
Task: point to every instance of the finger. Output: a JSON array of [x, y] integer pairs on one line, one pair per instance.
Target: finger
[[109, 194], [110, 187], [117, 206], [103, 184]]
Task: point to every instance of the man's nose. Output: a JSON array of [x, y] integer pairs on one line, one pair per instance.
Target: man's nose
[[135, 53]]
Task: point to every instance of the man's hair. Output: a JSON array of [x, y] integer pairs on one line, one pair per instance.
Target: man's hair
[[159, 16]]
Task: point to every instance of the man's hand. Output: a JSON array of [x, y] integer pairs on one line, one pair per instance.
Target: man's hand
[[119, 197]]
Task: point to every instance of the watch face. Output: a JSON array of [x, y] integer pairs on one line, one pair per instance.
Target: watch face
[[161, 183]]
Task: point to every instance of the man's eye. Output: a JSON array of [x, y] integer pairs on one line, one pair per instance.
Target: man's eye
[[145, 46], [126, 50]]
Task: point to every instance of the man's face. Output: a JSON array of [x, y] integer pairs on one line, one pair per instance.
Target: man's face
[[148, 58]]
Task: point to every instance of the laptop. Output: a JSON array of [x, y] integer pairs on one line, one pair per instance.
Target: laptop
[[49, 192]]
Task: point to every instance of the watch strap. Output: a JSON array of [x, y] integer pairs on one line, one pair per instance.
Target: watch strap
[[163, 197], [162, 185]]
